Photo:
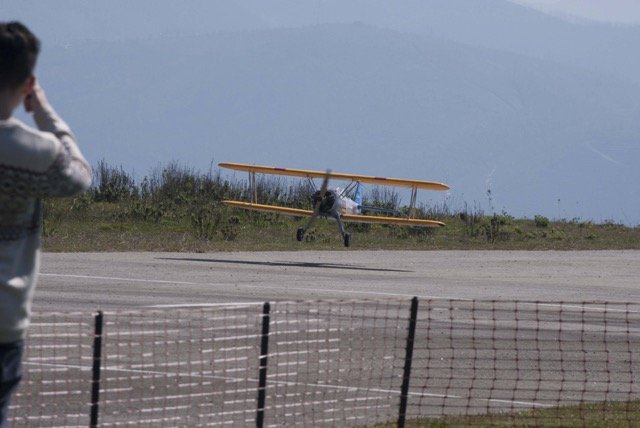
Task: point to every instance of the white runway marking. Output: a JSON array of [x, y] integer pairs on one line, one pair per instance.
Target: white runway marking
[[114, 278], [289, 383], [288, 288], [260, 286], [204, 305]]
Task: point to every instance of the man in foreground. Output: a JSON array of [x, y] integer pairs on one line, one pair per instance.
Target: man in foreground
[[34, 163]]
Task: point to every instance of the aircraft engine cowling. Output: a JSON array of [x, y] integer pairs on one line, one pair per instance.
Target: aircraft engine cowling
[[327, 203]]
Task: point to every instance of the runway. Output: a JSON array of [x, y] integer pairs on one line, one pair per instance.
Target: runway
[[107, 281], [183, 335]]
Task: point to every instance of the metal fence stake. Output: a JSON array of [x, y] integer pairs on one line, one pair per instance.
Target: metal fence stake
[[97, 362], [264, 351], [411, 335]]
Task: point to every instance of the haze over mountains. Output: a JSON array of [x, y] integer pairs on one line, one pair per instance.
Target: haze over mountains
[[486, 95]]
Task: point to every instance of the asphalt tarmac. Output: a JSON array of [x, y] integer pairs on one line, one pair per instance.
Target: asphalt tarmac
[[482, 344], [107, 281]]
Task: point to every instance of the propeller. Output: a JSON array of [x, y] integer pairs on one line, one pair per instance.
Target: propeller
[[323, 192], [316, 207]]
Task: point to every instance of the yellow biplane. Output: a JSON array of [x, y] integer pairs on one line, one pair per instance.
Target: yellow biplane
[[334, 202]]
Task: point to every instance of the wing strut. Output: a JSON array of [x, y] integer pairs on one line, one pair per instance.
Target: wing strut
[[412, 204], [253, 189]]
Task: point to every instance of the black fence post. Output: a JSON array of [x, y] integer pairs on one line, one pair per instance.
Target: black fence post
[[97, 362], [411, 335], [264, 352]]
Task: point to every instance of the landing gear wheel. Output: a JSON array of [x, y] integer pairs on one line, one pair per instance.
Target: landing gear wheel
[[347, 239], [300, 234]]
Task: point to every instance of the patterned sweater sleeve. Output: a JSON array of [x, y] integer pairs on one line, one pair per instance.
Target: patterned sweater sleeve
[[69, 173]]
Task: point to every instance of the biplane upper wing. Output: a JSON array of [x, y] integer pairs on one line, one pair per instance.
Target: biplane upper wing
[[296, 212], [384, 181]]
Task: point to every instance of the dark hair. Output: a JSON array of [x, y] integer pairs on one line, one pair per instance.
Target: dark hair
[[19, 49]]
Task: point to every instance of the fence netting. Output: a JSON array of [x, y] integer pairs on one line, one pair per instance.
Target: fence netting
[[335, 363]]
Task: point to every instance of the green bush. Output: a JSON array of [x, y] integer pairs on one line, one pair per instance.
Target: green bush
[[541, 221], [231, 229], [205, 222], [112, 184], [53, 214], [472, 219], [146, 211], [493, 227]]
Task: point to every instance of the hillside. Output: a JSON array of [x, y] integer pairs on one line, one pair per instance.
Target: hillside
[[494, 24], [541, 136]]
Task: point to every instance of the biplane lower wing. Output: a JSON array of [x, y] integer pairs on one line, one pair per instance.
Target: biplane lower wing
[[391, 220], [295, 212]]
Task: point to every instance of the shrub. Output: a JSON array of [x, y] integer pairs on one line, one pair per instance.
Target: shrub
[[541, 221], [383, 197], [81, 202], [231, 229], [53, 214], [358, 227], [492, 227], [112, 184], [205, 222], [472, 219]]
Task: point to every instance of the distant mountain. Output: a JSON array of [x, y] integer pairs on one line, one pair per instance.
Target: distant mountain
[[543, 137], [494, 24]]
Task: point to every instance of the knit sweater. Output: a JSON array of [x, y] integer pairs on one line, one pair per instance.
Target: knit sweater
[[34, 164]]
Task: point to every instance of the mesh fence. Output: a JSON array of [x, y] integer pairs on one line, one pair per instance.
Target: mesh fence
[[335, 363], [180, 368], [488, 358], [57, 368]]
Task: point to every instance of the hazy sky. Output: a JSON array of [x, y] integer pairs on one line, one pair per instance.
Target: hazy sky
[[621, 11], [536, 109]]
